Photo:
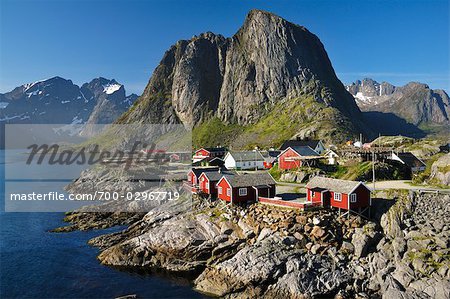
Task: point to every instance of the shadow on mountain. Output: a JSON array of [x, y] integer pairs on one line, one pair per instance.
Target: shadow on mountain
[[391, 124]]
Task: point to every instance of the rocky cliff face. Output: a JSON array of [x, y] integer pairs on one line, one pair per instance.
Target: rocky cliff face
[[59, 101], [415, 102], [241, 79]]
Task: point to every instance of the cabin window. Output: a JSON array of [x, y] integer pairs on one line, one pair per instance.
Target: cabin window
[[189, 178], [353, 197], [312, 194], [228, 191], [337, 197], [242, 191], [219, 190]]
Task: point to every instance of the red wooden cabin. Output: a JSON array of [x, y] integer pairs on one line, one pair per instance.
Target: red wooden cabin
[[194, 175], [296, 156], [211, 152], [343, 194], [208, 181], [245, 187]]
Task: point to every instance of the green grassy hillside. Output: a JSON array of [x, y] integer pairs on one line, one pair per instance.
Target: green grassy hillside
[[304, 116]]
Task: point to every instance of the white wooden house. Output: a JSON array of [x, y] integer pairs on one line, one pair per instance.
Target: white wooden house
[[244, 160]]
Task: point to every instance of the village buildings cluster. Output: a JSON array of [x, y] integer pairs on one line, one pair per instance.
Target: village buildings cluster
[[242, 176]]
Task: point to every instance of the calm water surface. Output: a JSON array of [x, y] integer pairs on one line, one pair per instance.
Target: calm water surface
[[37, 264]]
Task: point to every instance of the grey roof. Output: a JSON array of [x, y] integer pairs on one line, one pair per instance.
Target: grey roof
[[200, 170], [250, 179], [305, 151], [270, 156], [212, 161], [246, 156], [335, 185], [215, 149], [410, 160], [292, 143], [216, 175]]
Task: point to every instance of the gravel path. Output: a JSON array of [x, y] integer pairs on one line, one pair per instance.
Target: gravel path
[[405, 184]]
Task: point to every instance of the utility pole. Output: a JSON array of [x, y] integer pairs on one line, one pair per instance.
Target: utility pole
[[373, 168], [256, 165]]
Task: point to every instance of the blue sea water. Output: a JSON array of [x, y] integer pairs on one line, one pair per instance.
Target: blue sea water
[[35, 263]]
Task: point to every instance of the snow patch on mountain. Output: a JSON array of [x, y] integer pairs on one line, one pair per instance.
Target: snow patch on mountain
[[111, 88], [361, 98]]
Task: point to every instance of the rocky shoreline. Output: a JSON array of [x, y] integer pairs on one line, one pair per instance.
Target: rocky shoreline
[[264, 251]]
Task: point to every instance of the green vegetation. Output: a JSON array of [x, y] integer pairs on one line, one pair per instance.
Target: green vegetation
[[291, 116], [425, 147], [339, 171], [214, 132], [275, 172], [428, 257], [277, 123], [363, 171], [357, 171], [393, 141]]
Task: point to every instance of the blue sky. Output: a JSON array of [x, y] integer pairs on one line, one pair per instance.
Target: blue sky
[[394, 41]]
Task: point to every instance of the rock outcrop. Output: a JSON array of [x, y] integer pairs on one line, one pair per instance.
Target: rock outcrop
[[440, 171], [412, 258], [240, 80]]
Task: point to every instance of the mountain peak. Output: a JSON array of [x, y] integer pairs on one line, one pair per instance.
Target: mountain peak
[[268, 62], [258, 14], [58, 100], [48, 81], [102, 85], [261, 18], [414, 102]]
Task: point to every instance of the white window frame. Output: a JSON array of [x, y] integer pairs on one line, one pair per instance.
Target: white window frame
[[312, 194], [337, 196], [353, 198], [219, 190], [242, 191], [228, 191]]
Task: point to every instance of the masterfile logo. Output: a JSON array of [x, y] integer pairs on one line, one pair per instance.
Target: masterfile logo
[[124, 168]]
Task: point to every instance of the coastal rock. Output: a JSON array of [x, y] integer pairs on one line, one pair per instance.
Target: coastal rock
[[158, 244], [317, 232], [363, 239], [440, 171], [271, 269]]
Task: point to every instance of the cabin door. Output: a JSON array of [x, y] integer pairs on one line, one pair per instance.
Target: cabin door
[[326, 198]]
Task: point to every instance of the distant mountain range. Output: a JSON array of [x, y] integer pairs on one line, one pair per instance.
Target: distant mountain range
[[59, 101], [415, 105]]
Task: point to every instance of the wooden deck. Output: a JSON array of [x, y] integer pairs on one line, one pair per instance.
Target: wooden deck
[[278, 201]]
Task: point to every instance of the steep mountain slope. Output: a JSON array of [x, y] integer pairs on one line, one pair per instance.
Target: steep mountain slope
[[267, 67], [416, 103], [59, 101]]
